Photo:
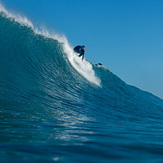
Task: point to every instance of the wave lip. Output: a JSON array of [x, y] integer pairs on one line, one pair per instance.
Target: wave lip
[[16, 17]]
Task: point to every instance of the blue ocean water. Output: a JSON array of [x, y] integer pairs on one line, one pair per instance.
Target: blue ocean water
[[56, 108]]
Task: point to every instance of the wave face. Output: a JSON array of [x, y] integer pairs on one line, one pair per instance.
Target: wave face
[[54, 107]]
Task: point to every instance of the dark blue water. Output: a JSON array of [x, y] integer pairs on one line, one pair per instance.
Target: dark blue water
[[56, 108]]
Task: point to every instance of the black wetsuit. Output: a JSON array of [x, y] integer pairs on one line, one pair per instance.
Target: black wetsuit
[[79, 49]]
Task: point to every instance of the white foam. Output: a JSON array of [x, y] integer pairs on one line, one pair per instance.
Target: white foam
[[83, 67], [16, 17]]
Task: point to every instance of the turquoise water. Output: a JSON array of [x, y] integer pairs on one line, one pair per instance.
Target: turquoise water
[[56, 108]]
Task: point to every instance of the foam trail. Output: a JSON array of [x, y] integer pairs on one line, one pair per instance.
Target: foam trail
[[83, 67]]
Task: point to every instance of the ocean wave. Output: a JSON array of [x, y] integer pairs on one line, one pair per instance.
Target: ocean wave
[[64, 108]]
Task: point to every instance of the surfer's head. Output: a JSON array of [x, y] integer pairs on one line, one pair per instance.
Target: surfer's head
[[83, 47]]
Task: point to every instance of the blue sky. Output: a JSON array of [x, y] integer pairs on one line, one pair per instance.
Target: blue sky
[[124, 35]]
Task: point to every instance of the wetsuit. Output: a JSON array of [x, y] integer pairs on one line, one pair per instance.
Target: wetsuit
[[80, 50]]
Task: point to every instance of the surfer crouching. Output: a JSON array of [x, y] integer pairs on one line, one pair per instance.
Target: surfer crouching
[[81, 50]]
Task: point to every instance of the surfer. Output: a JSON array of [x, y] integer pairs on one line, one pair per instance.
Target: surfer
[[81, 50]]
